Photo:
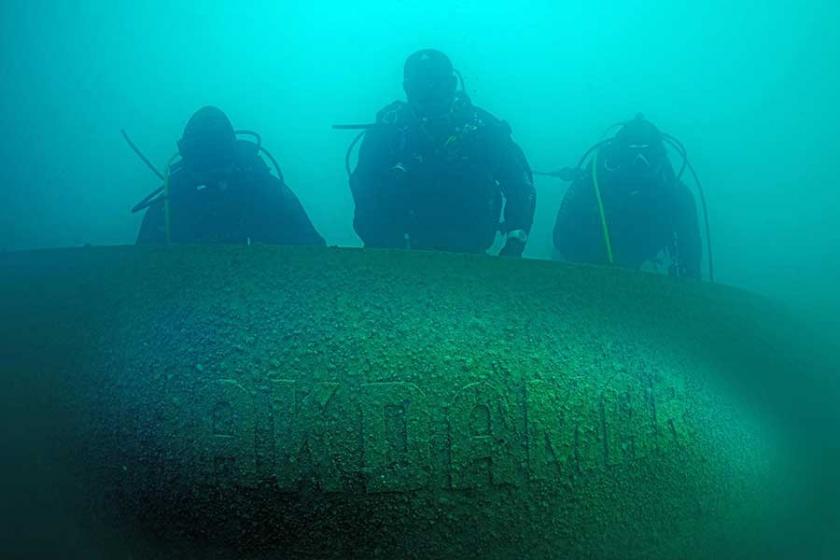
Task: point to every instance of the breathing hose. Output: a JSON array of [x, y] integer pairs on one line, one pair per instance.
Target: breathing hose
[[167, 208], [604, 227]]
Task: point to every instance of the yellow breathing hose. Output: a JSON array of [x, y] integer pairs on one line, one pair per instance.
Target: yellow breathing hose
[[166, 206], [604, 227]]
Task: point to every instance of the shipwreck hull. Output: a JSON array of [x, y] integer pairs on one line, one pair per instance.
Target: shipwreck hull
[[281, 403]]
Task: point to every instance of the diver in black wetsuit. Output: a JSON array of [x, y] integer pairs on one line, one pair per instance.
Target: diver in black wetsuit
[[221, 191], [438, 173], [628, 207]]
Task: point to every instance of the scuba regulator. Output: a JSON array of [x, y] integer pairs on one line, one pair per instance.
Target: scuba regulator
[[158, 194]]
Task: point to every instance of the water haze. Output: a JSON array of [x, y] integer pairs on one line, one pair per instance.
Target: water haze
[[751, 88]]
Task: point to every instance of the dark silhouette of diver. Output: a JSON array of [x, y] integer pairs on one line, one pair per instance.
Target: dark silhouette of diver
[[629, 207], [221, 191], [438, 173]]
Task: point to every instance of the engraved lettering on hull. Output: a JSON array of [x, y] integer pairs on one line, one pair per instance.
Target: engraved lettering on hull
[[395, 445]]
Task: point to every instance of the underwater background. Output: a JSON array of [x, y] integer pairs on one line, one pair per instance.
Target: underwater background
[[751, 88]]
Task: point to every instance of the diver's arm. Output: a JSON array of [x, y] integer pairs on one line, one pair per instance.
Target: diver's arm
[[302, 232], [290, 224], [378, 214], [517, 183], [153, 227], [573, 230], [687, 232]]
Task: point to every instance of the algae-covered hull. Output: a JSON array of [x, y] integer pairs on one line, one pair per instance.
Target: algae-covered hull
[[282, 403]]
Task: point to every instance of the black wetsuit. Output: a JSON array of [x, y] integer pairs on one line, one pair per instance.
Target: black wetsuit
[[245, 204], [441, 186], [648, 218]]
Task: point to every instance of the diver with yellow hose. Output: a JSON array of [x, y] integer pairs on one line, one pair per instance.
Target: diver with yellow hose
[[221, 191], [627, 206]]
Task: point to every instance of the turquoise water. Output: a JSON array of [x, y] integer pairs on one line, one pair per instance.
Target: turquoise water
[[751, 88]]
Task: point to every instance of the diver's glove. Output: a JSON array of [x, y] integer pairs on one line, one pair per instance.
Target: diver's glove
[[515, 244]]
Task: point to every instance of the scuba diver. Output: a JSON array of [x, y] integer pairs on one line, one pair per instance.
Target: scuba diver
[[221, 191], [437, 172], [627, 206]]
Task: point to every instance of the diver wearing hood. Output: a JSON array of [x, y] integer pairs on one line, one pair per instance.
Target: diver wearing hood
[[221, 191], [628, 207], [437, 173]]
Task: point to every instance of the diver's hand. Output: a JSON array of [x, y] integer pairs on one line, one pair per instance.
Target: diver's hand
[[513, 248], [515, 243]]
